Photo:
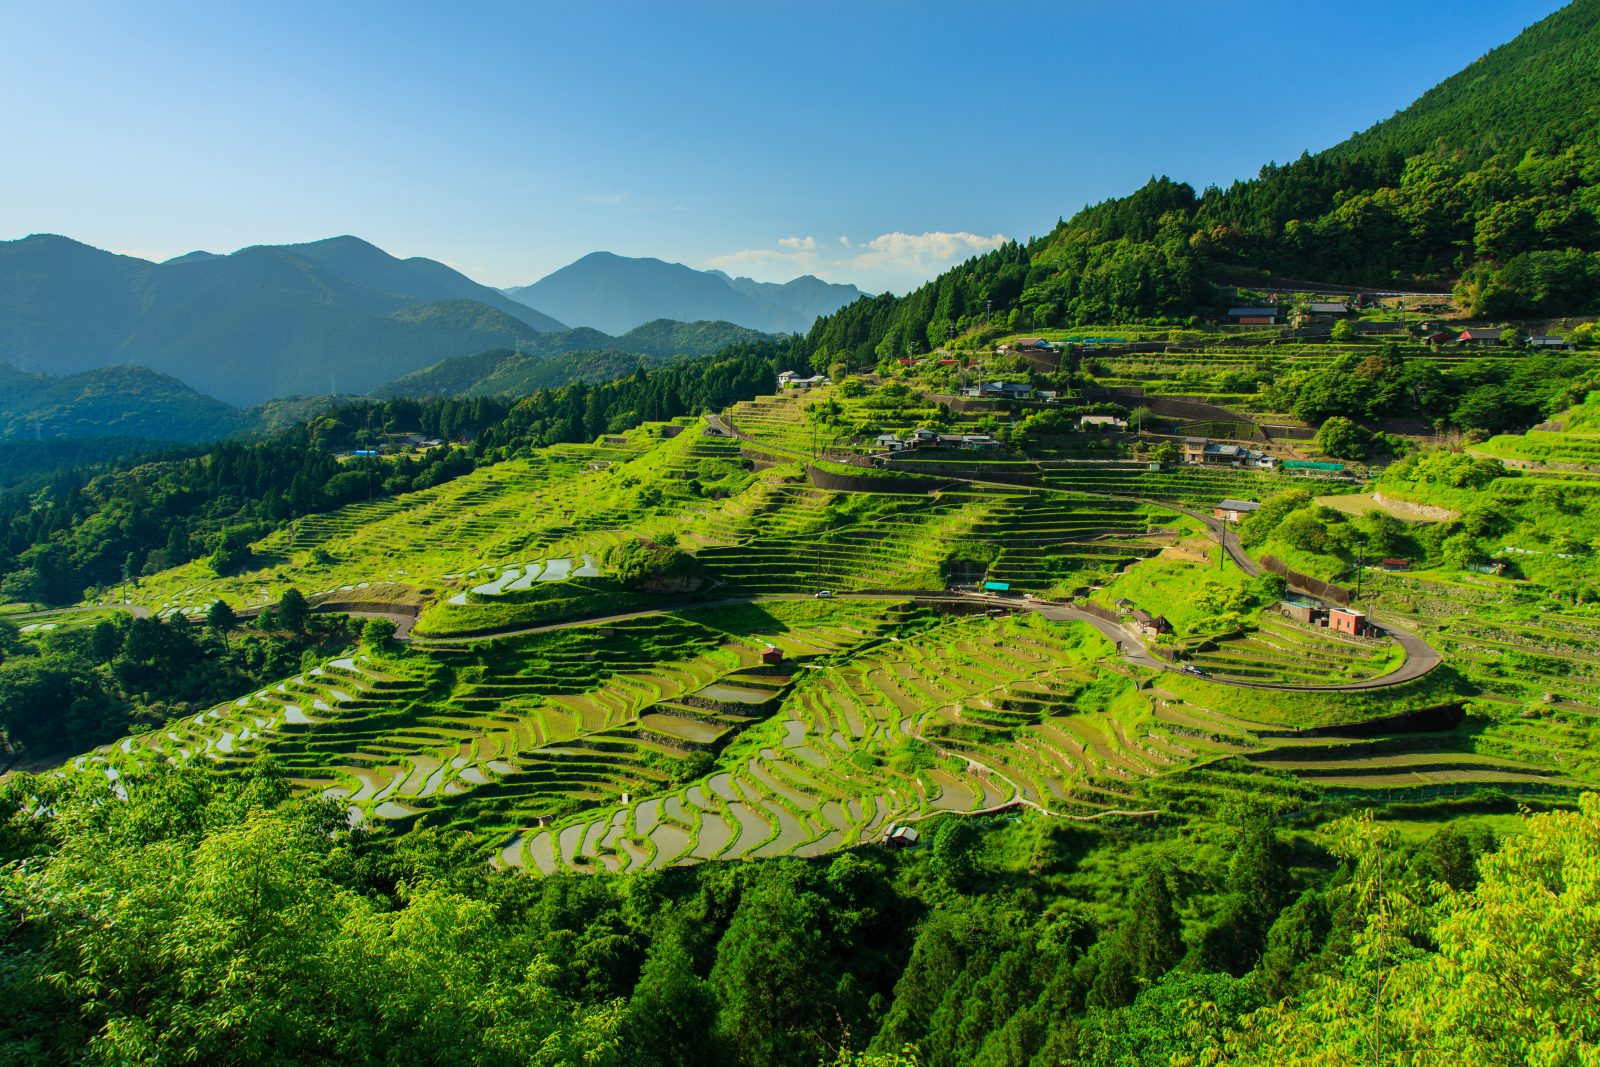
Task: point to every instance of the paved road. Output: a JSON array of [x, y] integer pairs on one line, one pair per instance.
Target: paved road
[[1420, 657], [138, 611]]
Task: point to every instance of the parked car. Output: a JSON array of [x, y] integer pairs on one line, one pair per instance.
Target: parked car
[[824, 594]]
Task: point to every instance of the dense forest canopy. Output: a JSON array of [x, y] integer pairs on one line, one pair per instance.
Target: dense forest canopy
[[1489, 183], [214, 919]]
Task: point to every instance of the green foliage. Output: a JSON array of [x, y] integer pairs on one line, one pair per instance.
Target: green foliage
[[1342, 439], [81, 687]]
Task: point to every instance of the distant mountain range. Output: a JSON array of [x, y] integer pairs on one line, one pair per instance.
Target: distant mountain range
[[554, 359], [136, 403], [266, 321], [615, 294]]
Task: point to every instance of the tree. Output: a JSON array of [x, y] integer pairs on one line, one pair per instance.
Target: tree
[[1344, 331], [221, 618], [1342, 439], [293, 611]]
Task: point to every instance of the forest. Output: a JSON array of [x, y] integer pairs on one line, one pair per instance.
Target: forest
[[215, 919]]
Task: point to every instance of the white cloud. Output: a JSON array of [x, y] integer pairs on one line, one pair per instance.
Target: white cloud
[[896, 261], [921, 251]]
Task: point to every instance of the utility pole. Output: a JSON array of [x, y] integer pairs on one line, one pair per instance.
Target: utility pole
[[987, 305]]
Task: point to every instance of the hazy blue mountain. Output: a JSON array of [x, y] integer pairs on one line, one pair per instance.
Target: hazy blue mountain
[[615, 293], [555, 359], [262, 322]]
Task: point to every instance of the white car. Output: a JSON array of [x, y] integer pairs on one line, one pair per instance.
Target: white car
[[824, 594]]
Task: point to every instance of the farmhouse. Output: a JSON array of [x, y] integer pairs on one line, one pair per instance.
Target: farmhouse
[[1123, 605], [1390, 563], [1479, 337], [1254, 316], [1230, 510], [1005, 390], [901, 837], [1324, 310], [1540, 340], [771, 655], [1302, 610], [1150, 625], [891, 443], [1112, 422], [1030, 344], [1349, 621]]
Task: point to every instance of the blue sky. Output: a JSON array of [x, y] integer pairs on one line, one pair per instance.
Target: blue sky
[[868, 142]]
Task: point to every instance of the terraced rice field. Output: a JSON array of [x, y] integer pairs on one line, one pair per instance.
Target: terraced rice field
[[1286, 653]]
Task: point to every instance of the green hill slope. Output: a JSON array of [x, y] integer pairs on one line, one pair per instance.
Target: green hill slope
[[125, 402], [555, 359]]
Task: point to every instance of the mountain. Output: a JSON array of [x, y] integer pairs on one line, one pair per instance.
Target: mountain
[[262, 322], [121, 402], [615, 294], [555, 359], [1488, 184]]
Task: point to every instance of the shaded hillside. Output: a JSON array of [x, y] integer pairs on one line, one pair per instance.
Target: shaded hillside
[[555, 359], [615, 293], [1489, 183], [262, 322], [120, 402]]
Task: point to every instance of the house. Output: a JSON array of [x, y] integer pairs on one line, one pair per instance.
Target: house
[[1232, 510], [978, 440], [771, 656], [1254, 316], [1389, 563], [1231, 455], [1262, 462], [1150, 625], [1031, 344], [1301, 610], [924, 438], [1349, 621], [901, 837], [1105, 422], [1479, 337], [790, 380], [1540, 340], [891, 443], [1194, 449], [1005, 390], [1440, 337], [1123, 605], [1319, 309]]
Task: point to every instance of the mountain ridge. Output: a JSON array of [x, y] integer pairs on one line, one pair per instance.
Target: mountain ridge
[[617, 293], [265, 321]]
